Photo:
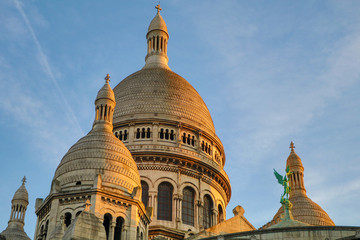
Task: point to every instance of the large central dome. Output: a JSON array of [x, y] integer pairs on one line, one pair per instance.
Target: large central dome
[[159, 93]]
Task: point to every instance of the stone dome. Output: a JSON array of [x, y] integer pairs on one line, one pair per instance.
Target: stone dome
[[157, 23], [307, 211], [159, 93], [21, 194], [99, 152], [14, 233], [294, 161], [106, 93]]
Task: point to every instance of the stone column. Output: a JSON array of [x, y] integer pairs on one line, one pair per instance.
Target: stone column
[[198, 145], [155, 206], [131, 133], [174, 208], [214, 216], [112, 229], [152, 195], [178, 201], [150, 200], [155, 133], [200, 207], [124, 234], [178, 136], [212, 151]]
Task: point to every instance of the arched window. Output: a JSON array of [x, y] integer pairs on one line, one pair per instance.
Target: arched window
[[46, 230], [121, 136], [143, 133], [165, 192], [184, 138], [118, 228], [67, 219], [148, 133], [138, 133], [107, 223], [78, 213], [41, 232], [145, 193], [162, 133], [220, 214], [188, 206], [208, 205], [105, 111], [172, 135], [125, 135]]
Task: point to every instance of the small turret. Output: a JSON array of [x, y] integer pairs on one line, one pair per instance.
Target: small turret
[[104, 107], [157, 39], [19, 203], [297, 177]]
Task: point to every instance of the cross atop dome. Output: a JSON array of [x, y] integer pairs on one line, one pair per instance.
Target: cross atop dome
[[292, 146], [158, 8], [107, 78], [24, 180]]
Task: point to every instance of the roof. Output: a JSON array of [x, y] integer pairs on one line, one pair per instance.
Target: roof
[[158, 93]]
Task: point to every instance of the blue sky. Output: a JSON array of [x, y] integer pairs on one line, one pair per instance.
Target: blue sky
[[270, 72]]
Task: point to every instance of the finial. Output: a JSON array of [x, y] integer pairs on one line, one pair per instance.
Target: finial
[[107, 78], [158, 8], [24, 180], [292, 146], [87, 205]]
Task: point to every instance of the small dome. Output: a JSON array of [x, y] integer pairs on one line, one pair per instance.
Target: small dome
[[158, 23], [294, 161], [14, 233], [306, 211], [106, 92], [99, 152], [21, 194]]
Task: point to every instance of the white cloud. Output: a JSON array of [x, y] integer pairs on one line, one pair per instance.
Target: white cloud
[[46, 66]]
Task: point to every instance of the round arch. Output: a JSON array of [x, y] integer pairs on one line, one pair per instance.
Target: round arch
[[192, 185], [165, 179], [148, 181]]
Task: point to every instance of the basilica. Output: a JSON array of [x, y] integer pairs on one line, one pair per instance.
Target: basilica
[[152, 167]]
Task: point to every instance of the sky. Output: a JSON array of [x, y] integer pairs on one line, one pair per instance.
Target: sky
[[270, 72]]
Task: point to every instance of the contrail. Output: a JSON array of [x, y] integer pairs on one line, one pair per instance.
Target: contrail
[[47, 66]]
